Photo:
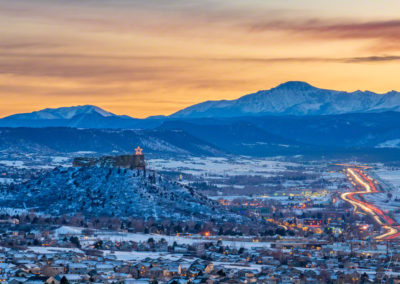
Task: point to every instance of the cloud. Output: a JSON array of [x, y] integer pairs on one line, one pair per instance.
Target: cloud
[[188, 51], [382, 31], [207, 20], [365, 59], [86, 68], [165, 70], [372, 59], [23, 45]]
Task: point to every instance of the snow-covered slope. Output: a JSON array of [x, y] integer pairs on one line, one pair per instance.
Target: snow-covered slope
[[295, 98], [97, 191], [62, 113], [86, 116]]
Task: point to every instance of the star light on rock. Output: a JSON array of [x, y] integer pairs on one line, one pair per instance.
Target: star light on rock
[[138, 151]]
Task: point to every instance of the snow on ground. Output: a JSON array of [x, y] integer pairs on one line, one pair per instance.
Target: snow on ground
[[257, 267], [140, 255], [222, 166], [6, 180], [389, 179], [12, 211], [17, 164], [389, 175], [394, 143], [67, 230], [139, 237], [52, 249], [84, 152], [60, 160], [333, 175]]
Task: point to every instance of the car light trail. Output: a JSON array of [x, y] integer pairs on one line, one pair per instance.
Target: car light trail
[[392, 230]]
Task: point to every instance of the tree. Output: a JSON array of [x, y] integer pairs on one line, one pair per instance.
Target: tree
[[75, 241], [64, 280], [98, 244], [364, 278]]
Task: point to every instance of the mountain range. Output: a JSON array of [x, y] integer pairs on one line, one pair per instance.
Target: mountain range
[[293, 118], [295, 98], [290, 98], [86, 116], [358, 133]]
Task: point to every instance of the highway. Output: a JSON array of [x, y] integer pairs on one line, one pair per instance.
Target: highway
[[392, 230]]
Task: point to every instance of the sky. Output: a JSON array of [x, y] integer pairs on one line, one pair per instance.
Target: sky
[[155, 57]]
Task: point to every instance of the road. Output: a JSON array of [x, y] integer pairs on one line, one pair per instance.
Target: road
[[392, 230]]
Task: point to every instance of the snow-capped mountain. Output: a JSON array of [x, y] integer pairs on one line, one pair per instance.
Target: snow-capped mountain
[[295, 98], [87, 116], [62, 113], [290, 98], [101, 191]]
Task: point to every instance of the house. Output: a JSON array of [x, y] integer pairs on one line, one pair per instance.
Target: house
[[104, 267], [52, 280], [137, 281], [72, 278], [180, 249], [77, 268], [172, 269], [36, 279], [16, 280]]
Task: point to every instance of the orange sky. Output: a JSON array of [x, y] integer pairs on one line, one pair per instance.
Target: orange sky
[[155, 57]]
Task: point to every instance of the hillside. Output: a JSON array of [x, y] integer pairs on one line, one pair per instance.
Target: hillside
[[66, 140], [239, 137], [361, 133], [255, 136], [99, 191]]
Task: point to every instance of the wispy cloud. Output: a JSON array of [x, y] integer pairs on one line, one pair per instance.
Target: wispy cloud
[[180, 52], [12, 54], [365, 59], [347, 29], [372, 59]]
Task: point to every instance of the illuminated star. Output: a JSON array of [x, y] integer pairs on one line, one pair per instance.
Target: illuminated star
[[138, 151]]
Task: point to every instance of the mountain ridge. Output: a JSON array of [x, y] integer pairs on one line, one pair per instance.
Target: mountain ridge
[[52, 140], [63, 112], [295, 98], [291, 98], [367, 133]]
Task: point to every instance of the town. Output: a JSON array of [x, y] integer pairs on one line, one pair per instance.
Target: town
[[76, 255], [199, 141], [300, 231]]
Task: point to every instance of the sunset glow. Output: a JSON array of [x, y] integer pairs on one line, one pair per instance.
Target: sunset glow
[[144, 58]]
